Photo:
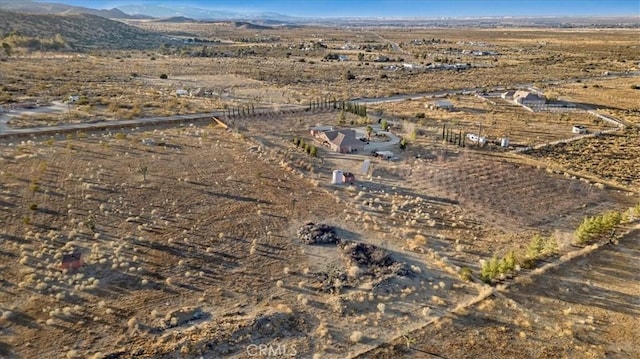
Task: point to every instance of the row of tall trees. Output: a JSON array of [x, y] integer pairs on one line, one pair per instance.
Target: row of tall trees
[[331, 102], [240, 111]]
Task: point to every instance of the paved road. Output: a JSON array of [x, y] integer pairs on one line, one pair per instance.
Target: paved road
[[126, 123]]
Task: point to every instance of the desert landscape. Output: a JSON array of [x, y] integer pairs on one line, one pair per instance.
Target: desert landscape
[[182, 188]]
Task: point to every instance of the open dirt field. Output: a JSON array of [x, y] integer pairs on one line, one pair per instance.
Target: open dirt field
[[612, 157], [182, 241]]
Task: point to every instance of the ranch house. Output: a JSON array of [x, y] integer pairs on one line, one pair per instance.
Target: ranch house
[[527, 98], [342, 141]]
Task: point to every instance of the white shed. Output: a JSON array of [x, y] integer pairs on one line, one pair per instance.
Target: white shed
[[579, 129]]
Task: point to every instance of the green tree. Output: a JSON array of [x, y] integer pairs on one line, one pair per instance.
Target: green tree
[[384, 125], [508, 263], [534, 250], [369, 131], [314, 151], [342, 118], [550, 247]]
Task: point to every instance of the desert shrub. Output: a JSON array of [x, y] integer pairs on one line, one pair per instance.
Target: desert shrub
[[355, 337], [164, 76], [465, 273], [33, 206], [593, 227], [403, 144], [83, 100]]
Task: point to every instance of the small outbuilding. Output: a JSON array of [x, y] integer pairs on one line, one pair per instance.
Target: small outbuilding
[[348, 177], [476, 139], [384, 154], [579, 129], [441, 105], [508, 95]]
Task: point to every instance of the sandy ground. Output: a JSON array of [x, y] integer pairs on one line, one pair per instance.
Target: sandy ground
[[189, 241]]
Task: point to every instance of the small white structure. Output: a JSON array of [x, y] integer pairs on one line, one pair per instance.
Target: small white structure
[[73, 98], [182, 92], [476, 139], [337, 177], [508, 95], [343, 58], [579, 129], [504, 142], [385, 154], [365, 167], [441, 105]]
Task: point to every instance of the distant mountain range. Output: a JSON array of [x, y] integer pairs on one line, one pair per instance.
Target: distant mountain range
[[191, 14], [33, 7], [160, 11], [139, 11]]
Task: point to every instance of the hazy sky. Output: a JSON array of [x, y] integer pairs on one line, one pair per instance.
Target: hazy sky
[[395, 8]]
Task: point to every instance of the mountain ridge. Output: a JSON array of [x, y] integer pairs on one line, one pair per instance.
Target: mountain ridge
[[54, 8], [79, 31]]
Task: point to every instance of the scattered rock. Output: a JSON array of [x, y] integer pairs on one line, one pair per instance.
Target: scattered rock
[[181, 317]]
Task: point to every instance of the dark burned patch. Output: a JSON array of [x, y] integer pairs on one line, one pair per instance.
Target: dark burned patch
[[312, 233], [374, 265], [371, 259]]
